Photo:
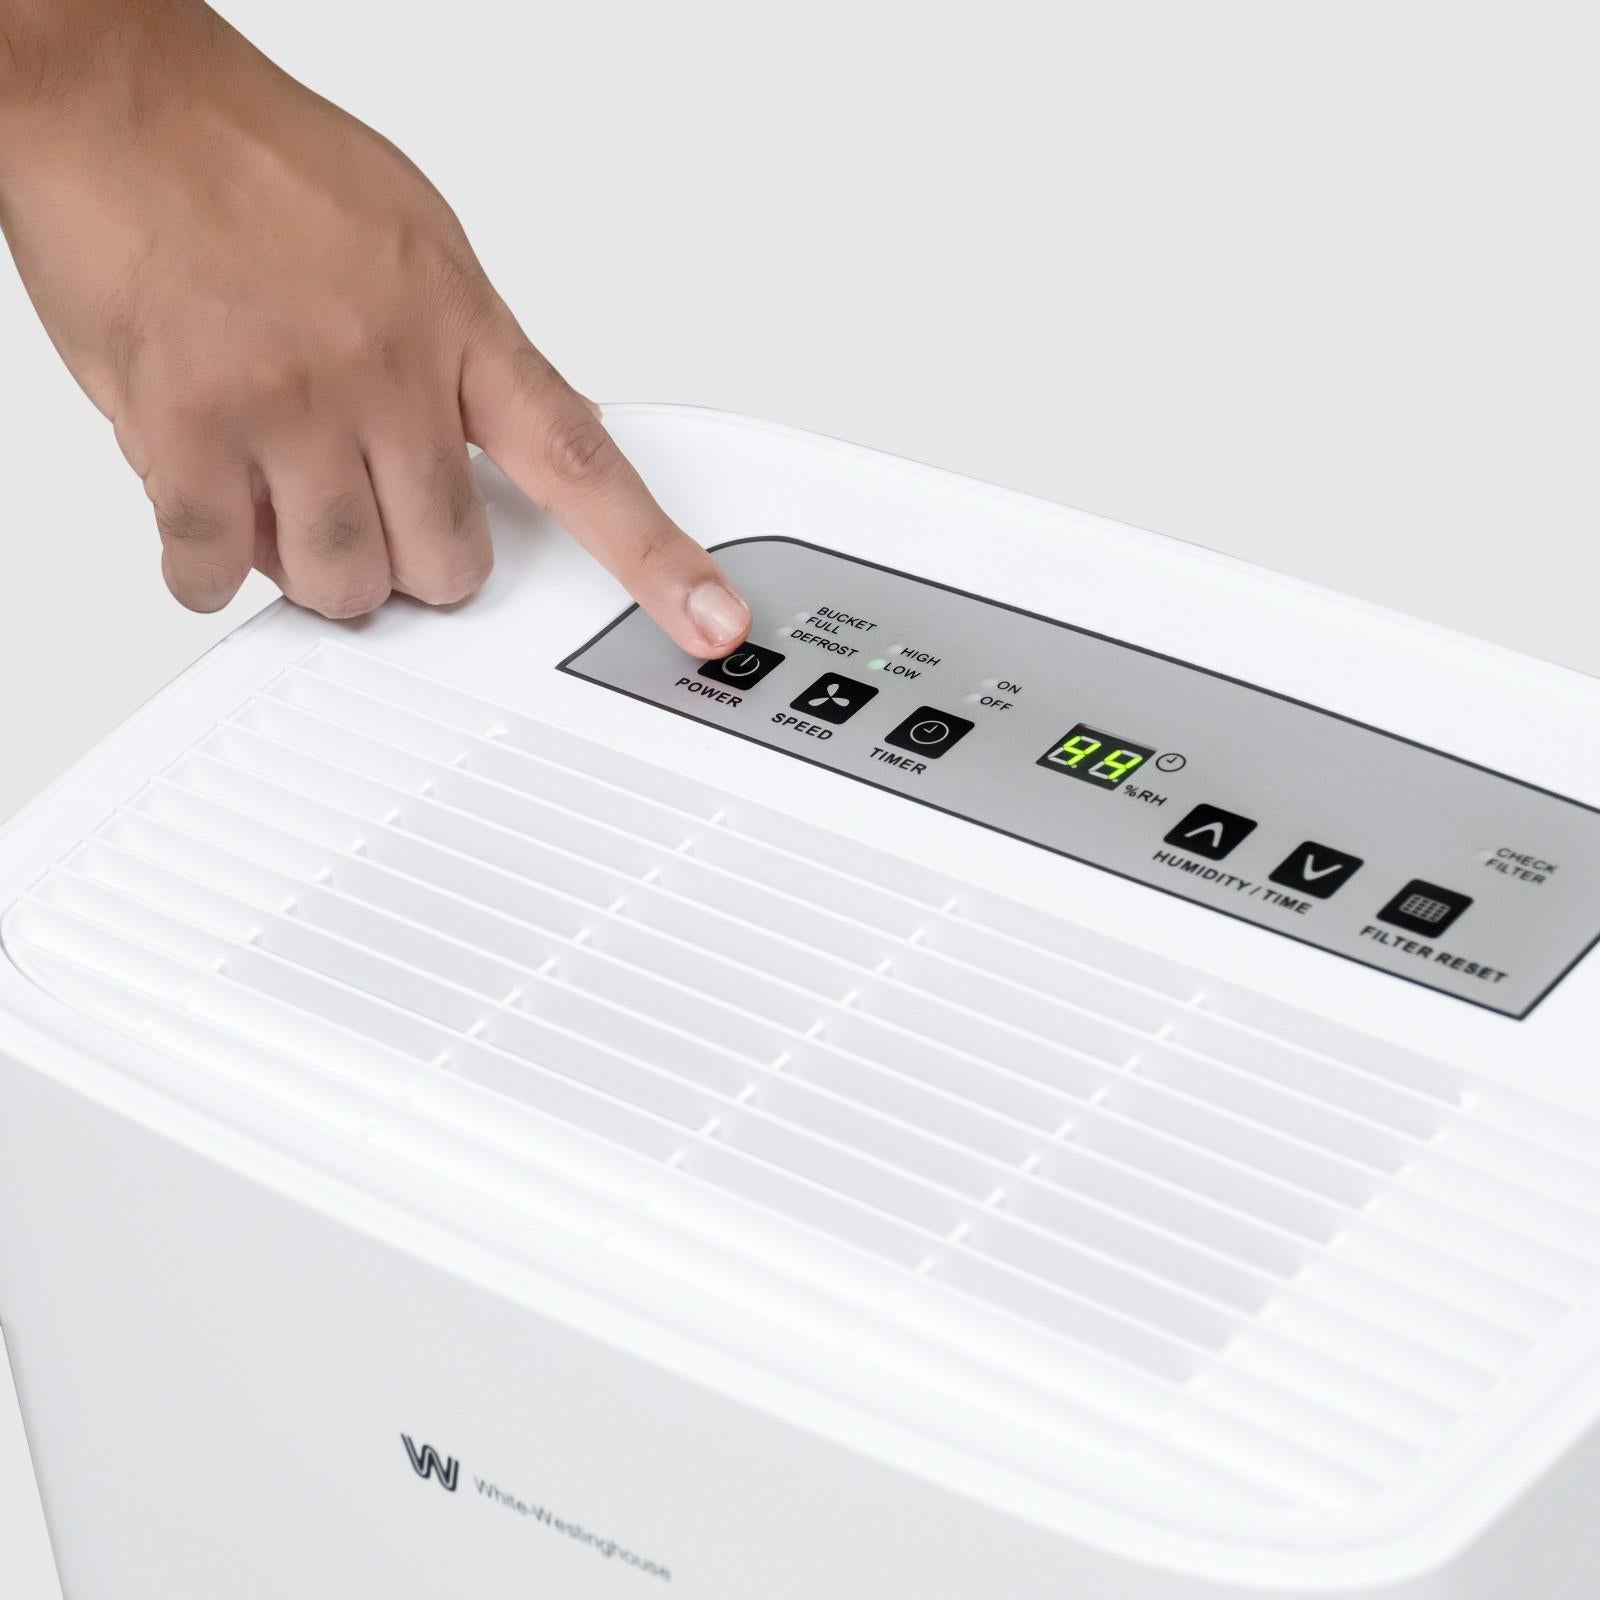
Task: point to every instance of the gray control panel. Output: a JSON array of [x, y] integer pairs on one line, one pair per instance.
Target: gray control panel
[[1339, 835]]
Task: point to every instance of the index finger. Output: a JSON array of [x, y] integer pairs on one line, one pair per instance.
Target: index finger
[[552, 444]]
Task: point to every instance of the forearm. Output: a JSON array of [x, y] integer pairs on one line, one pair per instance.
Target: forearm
[[50, 50], [77, 69]]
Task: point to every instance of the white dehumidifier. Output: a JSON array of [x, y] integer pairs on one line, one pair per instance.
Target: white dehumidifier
[[1066, 1067]]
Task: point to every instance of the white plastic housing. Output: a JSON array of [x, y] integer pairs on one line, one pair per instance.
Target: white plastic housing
[[402, 1038]]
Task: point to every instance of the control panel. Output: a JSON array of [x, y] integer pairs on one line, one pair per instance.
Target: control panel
[[1475, 883]]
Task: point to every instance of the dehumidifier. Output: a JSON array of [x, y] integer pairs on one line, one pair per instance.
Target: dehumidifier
[[1067, 1068]]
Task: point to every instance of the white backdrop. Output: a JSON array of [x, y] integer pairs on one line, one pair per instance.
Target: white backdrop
[[1313, 284]]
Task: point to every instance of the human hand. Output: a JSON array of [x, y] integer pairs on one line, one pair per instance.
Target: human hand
[[289, 331]]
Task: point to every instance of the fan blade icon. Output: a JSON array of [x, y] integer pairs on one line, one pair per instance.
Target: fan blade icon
[[829, 696]]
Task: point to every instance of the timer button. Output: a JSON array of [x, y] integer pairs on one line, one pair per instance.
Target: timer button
[[929, 732], [1211, 832], [745, 668]]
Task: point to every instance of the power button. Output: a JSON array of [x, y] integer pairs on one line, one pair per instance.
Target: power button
[[745, 668]]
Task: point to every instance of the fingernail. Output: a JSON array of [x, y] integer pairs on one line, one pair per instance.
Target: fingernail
[[599, 415], [720, 615]]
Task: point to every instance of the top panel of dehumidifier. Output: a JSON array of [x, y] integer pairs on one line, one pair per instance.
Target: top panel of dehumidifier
[[1372, 847]]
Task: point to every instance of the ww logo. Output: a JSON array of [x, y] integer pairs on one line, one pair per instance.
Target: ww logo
[[426, 1462]]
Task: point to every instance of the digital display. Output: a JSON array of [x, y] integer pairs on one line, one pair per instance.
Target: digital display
[[1095, 757]]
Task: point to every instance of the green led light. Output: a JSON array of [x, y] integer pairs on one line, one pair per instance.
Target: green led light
[[877, 664]]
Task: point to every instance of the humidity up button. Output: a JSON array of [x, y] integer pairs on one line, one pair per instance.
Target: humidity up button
[[745, 668], [1211, 832], [929, 732]]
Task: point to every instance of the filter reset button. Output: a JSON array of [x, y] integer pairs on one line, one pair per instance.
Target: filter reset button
[[1424, 908]]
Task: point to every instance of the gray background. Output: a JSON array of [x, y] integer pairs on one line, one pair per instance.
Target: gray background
[[1310, 283]]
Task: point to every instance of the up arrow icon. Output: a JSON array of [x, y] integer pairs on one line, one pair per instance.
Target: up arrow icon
[[1211, 832]]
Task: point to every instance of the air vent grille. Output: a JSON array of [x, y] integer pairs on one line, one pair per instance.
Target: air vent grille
[[1095, 1212]]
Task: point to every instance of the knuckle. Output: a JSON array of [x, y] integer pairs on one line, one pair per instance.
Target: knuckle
[[198, 407], [653, 547], [276, 385], [375, 348], [581, 453], [338, 527], [450, 585], [340, 605], [181, 519]]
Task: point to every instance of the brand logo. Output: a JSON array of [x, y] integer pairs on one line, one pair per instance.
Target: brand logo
[[426, 1462]]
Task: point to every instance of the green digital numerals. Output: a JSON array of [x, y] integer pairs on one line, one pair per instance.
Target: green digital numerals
[[1094, 757]]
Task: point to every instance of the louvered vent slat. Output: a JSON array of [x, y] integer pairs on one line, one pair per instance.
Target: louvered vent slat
[[1262, 1257]]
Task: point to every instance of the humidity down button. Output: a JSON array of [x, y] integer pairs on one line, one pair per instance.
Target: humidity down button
[[1317, 870]]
